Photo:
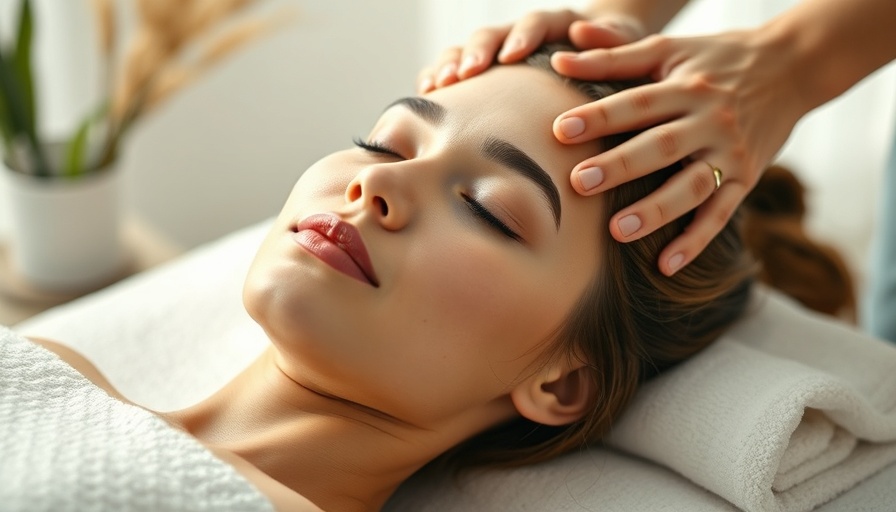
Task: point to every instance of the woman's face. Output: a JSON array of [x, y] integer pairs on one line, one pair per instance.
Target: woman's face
[[478, 249]]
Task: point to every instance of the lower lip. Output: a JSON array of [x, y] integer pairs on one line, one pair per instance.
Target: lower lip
[[328, 252]]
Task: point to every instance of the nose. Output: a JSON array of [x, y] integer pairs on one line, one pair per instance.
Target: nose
[[383, 190]]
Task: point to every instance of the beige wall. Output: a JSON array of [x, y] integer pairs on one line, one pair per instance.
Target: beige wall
[[226, 151]]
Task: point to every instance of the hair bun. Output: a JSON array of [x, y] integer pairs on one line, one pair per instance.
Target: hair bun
[[813, 273], [778, 192]]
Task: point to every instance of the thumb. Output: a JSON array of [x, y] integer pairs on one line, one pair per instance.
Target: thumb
[[633, 60], [605, 32]]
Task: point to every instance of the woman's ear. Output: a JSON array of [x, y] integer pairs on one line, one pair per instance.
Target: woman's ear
[[557, 396]]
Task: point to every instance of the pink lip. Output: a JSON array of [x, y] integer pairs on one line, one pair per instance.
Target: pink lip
[[338, 244]]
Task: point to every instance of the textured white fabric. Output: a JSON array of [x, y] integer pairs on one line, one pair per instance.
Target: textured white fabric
[[169, 337], [67, 445], [784, 412]]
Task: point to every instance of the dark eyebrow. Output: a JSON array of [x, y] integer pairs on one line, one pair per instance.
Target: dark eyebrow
[[513, 157], [494, 149], [428, 110]]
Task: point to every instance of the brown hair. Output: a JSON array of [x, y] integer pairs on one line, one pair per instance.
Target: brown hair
[[632, 322], [813, 273]]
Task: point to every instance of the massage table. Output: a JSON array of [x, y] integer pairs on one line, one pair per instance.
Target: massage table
[[787, 400]]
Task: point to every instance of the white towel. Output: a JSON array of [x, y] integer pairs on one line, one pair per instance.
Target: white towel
[[67, 445], [772, 426]]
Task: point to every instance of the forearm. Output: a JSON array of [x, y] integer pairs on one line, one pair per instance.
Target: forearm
[[834, 43], [653, 14]]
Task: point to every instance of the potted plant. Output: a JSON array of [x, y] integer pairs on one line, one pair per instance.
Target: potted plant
[[64, 194]]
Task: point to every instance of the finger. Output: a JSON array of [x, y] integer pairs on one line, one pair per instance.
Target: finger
[[638, 107], [480, 50], [709, 220], [682, 192], [426, 80], [602, 33], [447, 67], [635, 60], [533, 30], [644, 153]]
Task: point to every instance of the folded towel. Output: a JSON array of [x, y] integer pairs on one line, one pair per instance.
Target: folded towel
[[772, 426], [67, 445]]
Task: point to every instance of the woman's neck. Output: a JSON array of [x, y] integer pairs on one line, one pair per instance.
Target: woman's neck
[[337, 454]]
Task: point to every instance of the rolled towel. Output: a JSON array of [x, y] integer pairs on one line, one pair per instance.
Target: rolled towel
[[782, 426]]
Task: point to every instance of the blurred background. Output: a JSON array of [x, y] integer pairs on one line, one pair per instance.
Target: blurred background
[[225, 151]]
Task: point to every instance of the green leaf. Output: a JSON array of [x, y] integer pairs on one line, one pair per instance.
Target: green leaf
[[21, 125], [22, 60], [74, 153], [75, 164], [17, 117], [6, 130]]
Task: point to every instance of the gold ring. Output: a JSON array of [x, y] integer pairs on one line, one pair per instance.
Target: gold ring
[[716, 173]]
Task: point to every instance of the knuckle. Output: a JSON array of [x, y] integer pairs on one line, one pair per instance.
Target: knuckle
[[726, 118], [702, 184], [662, 213], [667, 141], [640, 101], [721, 217], [699, 83], [601, 114], [739, 153], [626, 166], [658, 42]]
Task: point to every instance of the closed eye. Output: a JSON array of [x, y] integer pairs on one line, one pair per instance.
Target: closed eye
[[489, 219], [375, 147]]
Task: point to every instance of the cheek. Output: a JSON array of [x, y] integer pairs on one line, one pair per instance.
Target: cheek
[[478, 308]]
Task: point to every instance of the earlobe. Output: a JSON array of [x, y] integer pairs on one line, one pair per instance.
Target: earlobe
[[555, 397]]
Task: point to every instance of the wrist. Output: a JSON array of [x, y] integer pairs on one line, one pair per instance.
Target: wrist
[[834, 44], [650, 15], [798, 56]]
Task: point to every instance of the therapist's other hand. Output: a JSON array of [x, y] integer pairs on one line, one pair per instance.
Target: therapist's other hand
[[727, 101], [514, 42]]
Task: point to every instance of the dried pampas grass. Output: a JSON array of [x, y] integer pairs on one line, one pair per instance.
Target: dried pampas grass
[[174, 43]]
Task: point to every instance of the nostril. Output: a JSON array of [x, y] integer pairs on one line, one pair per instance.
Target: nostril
[[384, 208], [354, 192]]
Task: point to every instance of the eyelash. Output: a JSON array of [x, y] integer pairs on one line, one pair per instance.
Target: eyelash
[[486, 216], [375, 147], [475, 206]]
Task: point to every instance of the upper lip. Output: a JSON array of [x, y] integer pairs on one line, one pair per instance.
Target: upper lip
[[345, 236]]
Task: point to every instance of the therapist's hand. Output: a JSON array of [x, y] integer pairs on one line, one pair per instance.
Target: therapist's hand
[[727, 101], [514, 42]]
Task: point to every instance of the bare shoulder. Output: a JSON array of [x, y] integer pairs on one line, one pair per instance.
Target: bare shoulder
[[81, 364], [281, 497]]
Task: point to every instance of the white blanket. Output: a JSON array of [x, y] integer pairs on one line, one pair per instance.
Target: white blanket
[[67, 445], [779, 425]]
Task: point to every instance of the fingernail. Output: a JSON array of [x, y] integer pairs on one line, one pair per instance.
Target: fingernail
[[565, 55], [426, 84], [591, 177], [675, 262], [572, 127], [448, 71], [468, 62], [511, 46], [629, 224]]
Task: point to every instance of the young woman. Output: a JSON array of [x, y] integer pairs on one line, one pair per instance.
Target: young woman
[[440, 290]]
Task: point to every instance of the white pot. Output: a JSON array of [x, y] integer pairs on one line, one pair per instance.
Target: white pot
[[65, 233]]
